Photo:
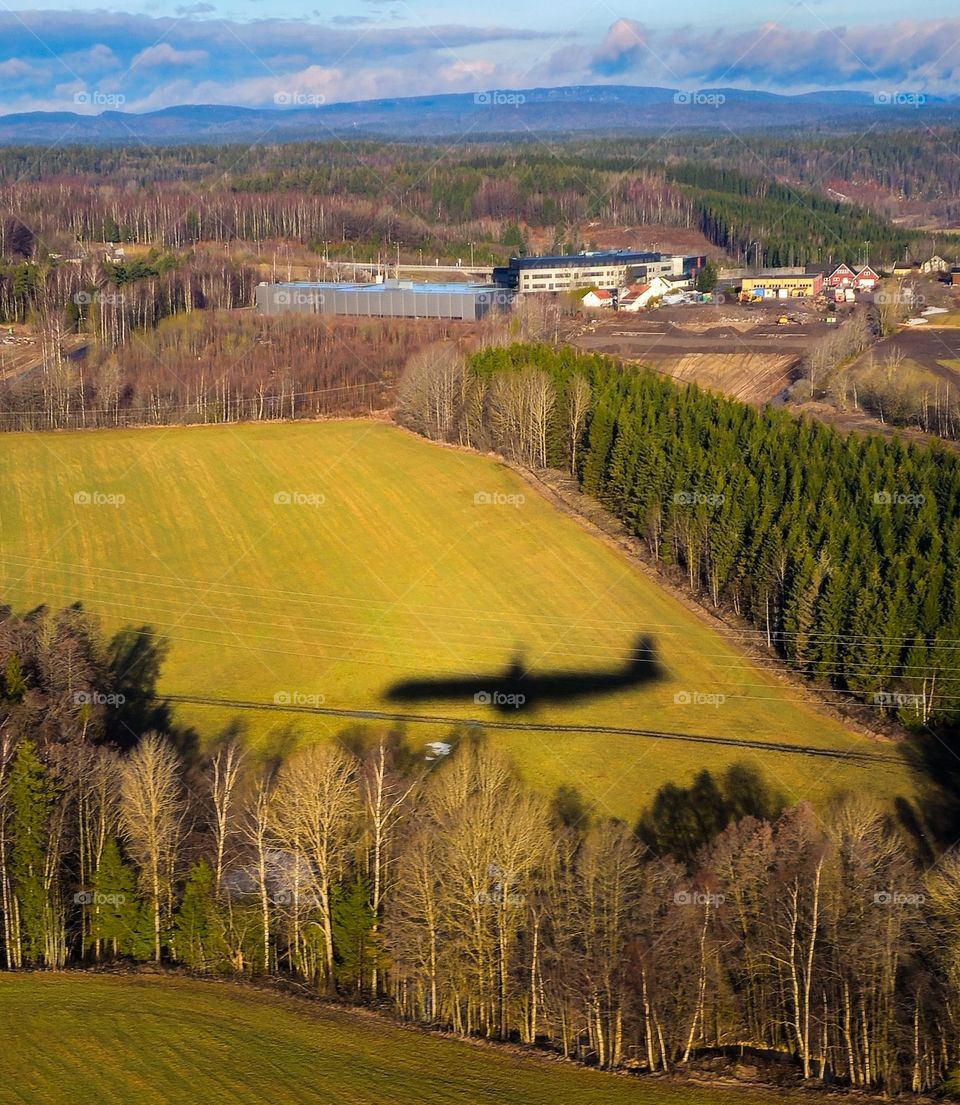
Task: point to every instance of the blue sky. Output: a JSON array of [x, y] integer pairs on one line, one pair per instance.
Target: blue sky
[[267, 53], [556, 15]]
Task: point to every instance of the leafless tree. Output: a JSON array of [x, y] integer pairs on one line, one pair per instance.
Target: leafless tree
[[151, 816], [316, 806], [578, 406]]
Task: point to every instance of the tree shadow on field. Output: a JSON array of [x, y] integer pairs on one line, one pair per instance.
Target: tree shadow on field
[[932, 820], [362, 739], [681, 820], [135, 656]]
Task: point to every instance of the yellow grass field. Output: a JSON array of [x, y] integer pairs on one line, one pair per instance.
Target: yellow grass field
[[170, 1041], [312, 564]]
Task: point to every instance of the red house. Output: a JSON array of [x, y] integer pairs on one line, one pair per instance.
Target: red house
[[842, 277], [867, 279]]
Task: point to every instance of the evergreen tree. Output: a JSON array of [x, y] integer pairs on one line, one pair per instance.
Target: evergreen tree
[[707, 278], [844, 551], [32, 796], [357, 952], [119, 922], [198, 932]]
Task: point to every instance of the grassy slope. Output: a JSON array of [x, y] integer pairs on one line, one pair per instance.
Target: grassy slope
[[166, 1042], [397, 574]]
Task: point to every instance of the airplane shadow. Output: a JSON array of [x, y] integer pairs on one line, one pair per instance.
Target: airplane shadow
[[518, 688]]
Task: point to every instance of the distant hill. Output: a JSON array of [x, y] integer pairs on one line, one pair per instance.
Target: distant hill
[[514, 114]]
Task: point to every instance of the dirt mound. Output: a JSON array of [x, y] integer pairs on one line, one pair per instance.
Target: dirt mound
[[750, 377]]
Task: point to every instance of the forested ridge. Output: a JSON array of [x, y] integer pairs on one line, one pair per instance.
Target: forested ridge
[[918, 166], [843, 551], [773, 224], [453, 894], [373, 197]]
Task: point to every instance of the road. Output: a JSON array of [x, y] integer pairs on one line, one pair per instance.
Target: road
[[370, 267], [543, 727], [462, 270], [25, 359]]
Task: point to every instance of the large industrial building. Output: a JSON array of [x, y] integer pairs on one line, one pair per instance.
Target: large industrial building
[[609, 269], [387, 299]]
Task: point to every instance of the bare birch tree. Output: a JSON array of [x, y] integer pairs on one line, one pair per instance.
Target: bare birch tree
[[151, 816], [316, 806]]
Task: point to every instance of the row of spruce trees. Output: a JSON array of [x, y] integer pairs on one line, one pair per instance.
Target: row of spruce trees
[[842, 550]]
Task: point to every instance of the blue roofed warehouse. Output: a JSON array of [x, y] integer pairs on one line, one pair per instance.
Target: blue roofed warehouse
[[386, 299]]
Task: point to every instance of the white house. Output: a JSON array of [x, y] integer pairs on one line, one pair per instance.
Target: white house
[[678, 283], [637, 296], [598, 297]]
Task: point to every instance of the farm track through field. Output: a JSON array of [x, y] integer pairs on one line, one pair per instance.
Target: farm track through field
[[530, 726]]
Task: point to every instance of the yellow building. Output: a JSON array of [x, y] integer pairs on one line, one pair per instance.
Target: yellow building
[[771, 286]]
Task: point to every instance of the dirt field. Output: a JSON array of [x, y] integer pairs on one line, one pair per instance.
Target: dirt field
[[927, 355], [21, 350], [732, 348], [931, 349], [859, 422], [749, 377]]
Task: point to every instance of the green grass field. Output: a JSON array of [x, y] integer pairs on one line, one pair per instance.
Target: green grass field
[[384, 567], [157, 1041]]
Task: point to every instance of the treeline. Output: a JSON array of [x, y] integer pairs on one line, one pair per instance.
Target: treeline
[[376, 201], [332, 202], [454, 894], [894, 173], [844, 552], [470, 182], [207, 366]]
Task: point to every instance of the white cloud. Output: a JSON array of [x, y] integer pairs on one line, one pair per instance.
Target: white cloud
[[163, 54]]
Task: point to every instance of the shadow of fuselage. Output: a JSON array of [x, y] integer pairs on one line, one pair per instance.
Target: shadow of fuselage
[[519, 688]]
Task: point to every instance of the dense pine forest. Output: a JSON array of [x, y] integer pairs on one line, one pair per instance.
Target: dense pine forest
[[843, 551], [451, 893], [919, 168], [769, 223]]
